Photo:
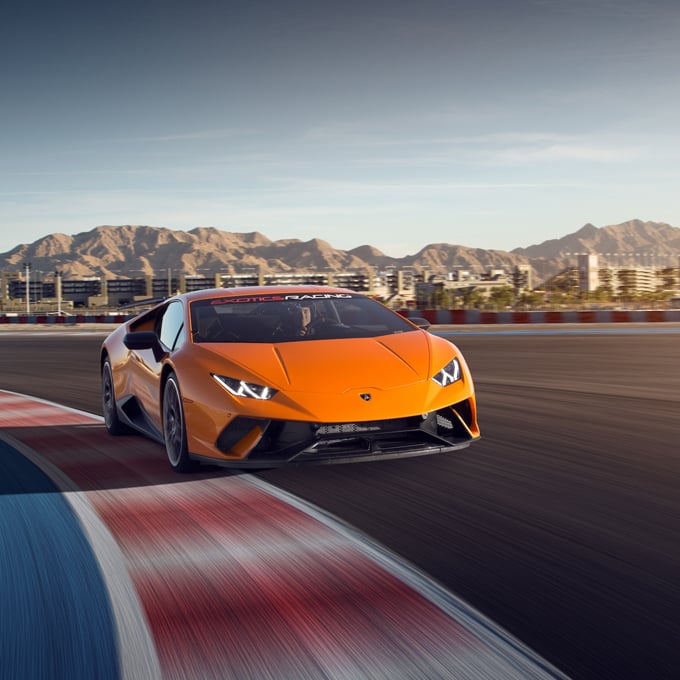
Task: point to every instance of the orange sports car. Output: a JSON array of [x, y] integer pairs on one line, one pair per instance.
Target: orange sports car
[[267, 376]]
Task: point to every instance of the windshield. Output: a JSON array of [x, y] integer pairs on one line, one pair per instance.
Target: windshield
[[292, 317]]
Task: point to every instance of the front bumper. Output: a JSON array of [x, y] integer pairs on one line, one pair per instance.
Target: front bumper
[[270, 443]]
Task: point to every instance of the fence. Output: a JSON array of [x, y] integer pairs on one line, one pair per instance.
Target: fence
[[434, 316]]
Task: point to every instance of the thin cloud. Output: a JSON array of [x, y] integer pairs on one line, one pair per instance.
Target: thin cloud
[[191, 136], [565, 152]]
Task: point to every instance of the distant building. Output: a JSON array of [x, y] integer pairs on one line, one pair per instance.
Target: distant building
[[360, 280], [623, 280], [635, 280], [120, 292], [588, 279], [398, 287], [250, 278], [295, 278]]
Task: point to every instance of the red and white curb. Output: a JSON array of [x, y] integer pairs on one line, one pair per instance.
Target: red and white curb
[[434, 316], [226, 576], [474, 316]]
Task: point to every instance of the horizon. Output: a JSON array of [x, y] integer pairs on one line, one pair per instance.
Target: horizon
[[484, 124]]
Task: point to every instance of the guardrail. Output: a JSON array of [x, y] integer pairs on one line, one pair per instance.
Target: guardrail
[[475, 316], [63, 320], [434, 316]]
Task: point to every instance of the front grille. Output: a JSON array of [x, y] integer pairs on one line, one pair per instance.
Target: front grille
[[345, 428], [367, 427], [298, 441]]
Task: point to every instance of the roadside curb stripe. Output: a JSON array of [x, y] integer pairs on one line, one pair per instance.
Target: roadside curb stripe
[[56, 617], [238, 579], [137, 653]]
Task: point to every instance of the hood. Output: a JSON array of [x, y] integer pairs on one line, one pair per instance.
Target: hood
[[334, 366]]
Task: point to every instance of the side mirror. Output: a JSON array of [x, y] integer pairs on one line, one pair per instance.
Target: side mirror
[[420, 322], [140, 340], [144, 340]]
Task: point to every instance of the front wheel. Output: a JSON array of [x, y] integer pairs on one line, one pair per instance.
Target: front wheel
[[112, 421], [174, 426]]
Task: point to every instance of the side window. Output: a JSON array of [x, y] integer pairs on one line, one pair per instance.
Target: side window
[[171, 331]]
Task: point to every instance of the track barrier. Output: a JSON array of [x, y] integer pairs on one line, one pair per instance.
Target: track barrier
[[434, 316], [474, 316]]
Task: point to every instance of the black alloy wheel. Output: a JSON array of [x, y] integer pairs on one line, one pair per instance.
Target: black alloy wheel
[[112, 421], [174, 427]]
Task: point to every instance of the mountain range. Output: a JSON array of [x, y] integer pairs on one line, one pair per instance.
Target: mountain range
[[129, 251]]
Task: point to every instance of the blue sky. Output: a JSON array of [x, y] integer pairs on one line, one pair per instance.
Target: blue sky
[[484, 123]]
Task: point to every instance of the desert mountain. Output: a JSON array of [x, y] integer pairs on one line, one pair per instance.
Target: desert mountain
[[642, 239], [129, 251]]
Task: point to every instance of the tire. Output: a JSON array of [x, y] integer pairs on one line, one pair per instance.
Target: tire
[[174, 427], [112, 421]]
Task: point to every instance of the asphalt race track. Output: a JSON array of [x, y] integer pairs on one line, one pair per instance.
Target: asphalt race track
[[562, 525]]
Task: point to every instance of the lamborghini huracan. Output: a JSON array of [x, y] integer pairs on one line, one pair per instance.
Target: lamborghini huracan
[[265, 376]]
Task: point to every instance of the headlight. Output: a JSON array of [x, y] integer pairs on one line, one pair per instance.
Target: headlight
[[241, 388], [449, 374]]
